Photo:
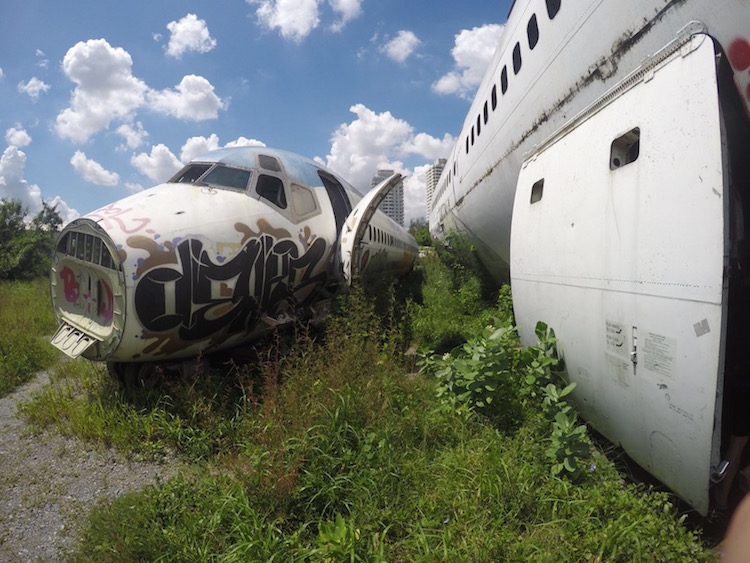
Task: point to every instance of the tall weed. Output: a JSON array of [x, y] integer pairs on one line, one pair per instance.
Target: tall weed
[[323, 450], [456, 297], [25, 318]]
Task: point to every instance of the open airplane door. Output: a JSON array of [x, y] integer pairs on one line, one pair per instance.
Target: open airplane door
[[618, 244], [356, 224]]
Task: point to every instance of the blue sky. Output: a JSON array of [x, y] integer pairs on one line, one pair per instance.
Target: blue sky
[[102, 99]]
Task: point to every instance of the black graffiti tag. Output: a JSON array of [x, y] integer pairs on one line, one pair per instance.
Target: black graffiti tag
[[200, 298]]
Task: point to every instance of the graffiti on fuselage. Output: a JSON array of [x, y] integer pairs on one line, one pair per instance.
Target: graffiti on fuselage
[[196, 297], [96, 295]]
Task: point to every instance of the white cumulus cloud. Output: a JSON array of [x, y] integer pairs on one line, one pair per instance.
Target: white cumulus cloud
[[198, 145], [105, 89], [159, 165], [428, 146], [133, 134], [472, 54], [92, 171], [294, 19], [402, 46], [346, 10], [414, 194], [359, 148], [245, 142], [189, 34], [193, 100], [376, 141], [14, 186], [17, 136], [33, 88]]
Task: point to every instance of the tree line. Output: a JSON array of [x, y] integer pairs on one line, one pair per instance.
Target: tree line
[[26, 246]]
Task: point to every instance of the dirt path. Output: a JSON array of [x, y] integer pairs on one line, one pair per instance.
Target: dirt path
[[48, 483]]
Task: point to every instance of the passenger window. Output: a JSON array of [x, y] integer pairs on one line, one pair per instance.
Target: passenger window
[[479, 125], [494, 97], [504, 80], [269, 163], [224, 176], [625, 149], [486, 113], [272, 189], [303, 200], [537, 191], [516, 58], [532, 32], [553, 6], [467, 144]]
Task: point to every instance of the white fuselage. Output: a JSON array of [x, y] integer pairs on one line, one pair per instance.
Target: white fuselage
[[587, 48], [594, 172]]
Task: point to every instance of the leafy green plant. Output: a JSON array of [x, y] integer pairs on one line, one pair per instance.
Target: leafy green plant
[[339, 540], [481, 374], [569, 444], [487, 374]]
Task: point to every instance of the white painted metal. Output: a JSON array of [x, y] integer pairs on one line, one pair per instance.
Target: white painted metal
[[71, 341], [587, 48], [353, 230], [626, 265], [240, 241]]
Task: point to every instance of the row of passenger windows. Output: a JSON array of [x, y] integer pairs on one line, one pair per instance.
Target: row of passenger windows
[[379, 236], [532, 36]]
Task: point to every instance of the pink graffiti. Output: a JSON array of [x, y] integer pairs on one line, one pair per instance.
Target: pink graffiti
[[739, 54], [71, 286], [111, 216], [106, 302], [739, 57]]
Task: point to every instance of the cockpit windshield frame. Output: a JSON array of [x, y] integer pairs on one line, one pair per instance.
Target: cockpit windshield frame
[[215, 175]]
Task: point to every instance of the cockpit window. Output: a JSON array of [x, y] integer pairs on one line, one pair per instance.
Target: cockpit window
[[217, 175], [190, 173], [272, 189], [269, 163], [226, 177]]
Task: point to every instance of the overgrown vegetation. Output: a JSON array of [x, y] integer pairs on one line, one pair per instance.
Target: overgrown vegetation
[[25, 317], [458, 298], [325, 449], [25, 247], [420, 230]]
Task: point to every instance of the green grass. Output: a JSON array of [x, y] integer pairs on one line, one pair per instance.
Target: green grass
[[25, 317], [324, 450]]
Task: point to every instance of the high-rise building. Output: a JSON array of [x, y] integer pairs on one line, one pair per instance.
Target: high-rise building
[[431, 182], [393, 204]]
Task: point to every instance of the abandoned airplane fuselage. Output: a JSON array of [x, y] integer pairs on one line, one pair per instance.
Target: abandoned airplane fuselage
[[594, 172], [239, 241]]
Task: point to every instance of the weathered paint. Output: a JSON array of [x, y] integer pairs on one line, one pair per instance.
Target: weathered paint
[[198, 267], [588, 54]]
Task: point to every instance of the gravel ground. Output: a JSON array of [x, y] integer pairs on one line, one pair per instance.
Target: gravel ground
[[48, 483]]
